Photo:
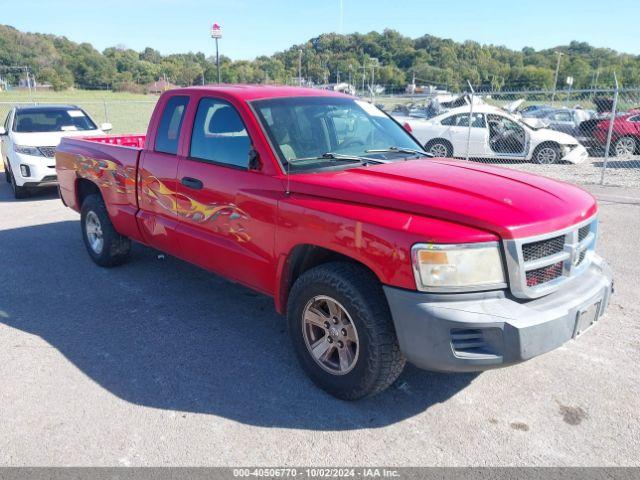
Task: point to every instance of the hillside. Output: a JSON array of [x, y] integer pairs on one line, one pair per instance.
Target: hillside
[[64, 63]]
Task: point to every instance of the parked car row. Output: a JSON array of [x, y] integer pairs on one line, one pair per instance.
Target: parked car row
[[588, 128], [28, 141], [494, 134]]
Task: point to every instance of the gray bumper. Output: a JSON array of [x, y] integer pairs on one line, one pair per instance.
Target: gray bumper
[[479, 331]]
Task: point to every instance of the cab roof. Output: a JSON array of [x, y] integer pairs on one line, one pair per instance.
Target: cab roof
[[256, 92]]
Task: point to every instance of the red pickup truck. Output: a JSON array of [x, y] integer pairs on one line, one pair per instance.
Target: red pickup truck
[[376, 253]]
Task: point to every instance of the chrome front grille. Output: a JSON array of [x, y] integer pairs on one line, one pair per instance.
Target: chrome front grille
[[539, 265], [542, 248], [48, 152]]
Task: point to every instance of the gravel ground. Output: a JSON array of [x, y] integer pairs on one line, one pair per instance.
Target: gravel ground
[[619, 172], [160, 363]]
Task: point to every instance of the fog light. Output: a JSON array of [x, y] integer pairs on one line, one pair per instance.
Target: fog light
[[24, 170]]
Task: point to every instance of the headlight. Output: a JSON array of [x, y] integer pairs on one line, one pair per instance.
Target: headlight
[[27, 150], [462, 267]]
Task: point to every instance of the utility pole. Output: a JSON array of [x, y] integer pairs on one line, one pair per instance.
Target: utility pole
[[216, 34], [364, 73], [338, 76], [555, 81], [374, 64], [350, 69], [300, 67]]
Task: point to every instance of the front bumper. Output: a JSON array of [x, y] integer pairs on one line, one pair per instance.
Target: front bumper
[[42, 170], [479, 331], [577, 155]]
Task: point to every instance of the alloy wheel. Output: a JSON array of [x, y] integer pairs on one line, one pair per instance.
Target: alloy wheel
[[93, 227], [438, 150], [547, 155], [625, 146], [330, 335]]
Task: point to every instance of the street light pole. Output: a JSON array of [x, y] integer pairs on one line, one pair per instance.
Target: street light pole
[[216, 34], [300, 67], [555, 81]]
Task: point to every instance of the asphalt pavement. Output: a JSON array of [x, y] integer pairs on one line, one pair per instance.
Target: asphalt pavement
[[158, 362]]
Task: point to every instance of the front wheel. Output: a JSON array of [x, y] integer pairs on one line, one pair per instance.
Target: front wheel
[[547, 154], [625, 147], [342, 331], [18, 191], [106, 247]]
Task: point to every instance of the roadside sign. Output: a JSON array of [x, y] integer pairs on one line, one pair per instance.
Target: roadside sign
[[216, 31], [569, 80]]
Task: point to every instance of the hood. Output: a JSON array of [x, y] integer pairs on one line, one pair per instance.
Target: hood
[[503, 201], [546, 134], [48, 139]]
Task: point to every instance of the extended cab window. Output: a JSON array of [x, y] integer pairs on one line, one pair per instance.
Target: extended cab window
[[219, 135], [170, 124]]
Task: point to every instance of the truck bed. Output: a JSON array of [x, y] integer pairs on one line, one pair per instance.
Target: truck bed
[[111, 163]]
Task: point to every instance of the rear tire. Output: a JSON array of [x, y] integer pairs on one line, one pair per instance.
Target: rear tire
[[362, 330], [439, 148], [106, 247]]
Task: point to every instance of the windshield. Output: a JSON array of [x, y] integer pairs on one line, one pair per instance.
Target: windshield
[[304, 129], [52, 120]]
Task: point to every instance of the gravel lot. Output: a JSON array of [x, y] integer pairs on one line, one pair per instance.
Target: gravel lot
[[619, 172], [160, 363]]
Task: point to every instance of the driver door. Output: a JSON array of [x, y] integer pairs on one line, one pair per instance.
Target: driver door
[[506, 137]]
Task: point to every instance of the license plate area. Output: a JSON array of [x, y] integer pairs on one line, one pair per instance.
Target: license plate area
[[586, 317]]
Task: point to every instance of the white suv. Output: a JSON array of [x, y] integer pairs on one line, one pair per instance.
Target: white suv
[[28, 140]]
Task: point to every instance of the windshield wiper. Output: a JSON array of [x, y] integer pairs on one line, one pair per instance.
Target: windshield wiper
[[400, 150], [338, 156]]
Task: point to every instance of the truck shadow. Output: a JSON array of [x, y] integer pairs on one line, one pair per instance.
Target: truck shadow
[[161, 333]]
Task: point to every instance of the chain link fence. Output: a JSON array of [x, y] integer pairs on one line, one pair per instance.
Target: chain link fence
[[581, 136]]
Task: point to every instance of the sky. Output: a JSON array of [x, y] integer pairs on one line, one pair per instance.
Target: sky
[[262, 27]]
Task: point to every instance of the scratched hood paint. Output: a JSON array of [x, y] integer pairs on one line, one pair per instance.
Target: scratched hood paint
[[509, 203]]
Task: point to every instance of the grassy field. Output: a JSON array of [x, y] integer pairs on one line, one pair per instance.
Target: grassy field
[[128, 112]]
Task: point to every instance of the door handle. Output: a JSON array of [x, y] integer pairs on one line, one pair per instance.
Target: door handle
[[192, 183]]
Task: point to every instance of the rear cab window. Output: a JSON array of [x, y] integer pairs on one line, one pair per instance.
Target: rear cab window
[[219, 136], [168, 134]]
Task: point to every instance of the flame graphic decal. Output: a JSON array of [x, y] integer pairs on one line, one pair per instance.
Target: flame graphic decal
[[229, 216]]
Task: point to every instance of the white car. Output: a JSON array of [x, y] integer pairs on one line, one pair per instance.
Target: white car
[[28, 140], [494, 134]]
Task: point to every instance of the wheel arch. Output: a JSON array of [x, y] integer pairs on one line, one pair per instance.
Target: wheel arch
[[302, 258], [84, 188]]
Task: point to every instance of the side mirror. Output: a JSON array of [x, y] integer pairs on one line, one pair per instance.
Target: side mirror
[[106, 127], [254, 160], [3, 131]]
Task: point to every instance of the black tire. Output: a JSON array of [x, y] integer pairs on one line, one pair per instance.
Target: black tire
[[18, 192], [6, 174], [543, 154], [439, 148], [115, 247], [379, 361]]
